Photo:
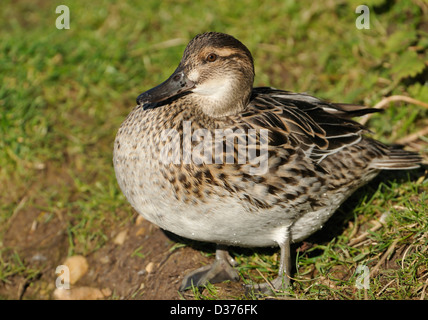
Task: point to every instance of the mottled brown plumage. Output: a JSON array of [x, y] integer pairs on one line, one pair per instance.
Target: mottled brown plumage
[[302, 157]]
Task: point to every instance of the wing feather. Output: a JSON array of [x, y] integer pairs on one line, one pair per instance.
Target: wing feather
[[318, 127]]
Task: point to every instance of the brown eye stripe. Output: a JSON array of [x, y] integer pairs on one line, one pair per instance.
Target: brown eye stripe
[[211, 57]]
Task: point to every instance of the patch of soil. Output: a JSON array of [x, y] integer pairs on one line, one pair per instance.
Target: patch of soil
[[35, 249], [147, 265]]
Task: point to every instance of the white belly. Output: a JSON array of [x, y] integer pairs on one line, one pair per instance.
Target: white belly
[[222, 220]]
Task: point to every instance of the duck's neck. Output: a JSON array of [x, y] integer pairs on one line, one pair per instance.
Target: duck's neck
[[227, 100]]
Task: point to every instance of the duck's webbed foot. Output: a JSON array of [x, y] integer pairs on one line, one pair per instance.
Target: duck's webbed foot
[[221, 270]]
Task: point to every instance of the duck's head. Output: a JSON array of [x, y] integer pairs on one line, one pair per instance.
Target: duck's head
[[216, 70]]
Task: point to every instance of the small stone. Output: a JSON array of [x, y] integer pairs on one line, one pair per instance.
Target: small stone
[[106, 292], [39, 166], [150, 267], [140, 219], [120, 238], [33, 226], [105, 259], [38, 257], [78, 266], [79, 293], [140, 231]]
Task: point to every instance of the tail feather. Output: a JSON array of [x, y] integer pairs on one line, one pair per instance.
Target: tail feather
[[396, 159]]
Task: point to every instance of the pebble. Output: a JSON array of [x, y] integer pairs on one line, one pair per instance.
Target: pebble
[[81, 293], [78, 267], [120, 237], [150, 267], [38, 257], [105, 259], [140, 219], [140, 231]]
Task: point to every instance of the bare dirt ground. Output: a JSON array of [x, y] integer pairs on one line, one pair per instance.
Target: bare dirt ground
[[149, 264], [121, 268]]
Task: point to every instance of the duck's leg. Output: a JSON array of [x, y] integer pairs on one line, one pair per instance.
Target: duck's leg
[[281, 282], [221, 270]]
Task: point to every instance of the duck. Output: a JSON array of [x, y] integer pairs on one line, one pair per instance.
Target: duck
[[208, 157]]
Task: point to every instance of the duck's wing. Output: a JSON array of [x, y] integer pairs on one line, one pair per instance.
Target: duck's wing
[[317, 127]]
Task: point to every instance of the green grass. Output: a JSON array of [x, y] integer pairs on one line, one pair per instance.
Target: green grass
[[64, 93]]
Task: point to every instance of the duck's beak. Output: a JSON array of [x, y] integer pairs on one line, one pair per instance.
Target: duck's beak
[[177, 83]]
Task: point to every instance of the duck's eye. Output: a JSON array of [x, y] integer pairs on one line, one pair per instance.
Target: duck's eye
[[211, 57]]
